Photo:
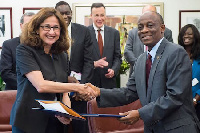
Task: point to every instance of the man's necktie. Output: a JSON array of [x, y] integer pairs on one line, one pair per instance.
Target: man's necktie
[[148, 68], [100, 42]]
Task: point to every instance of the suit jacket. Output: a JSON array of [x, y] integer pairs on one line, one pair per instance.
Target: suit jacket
[[8, 63], [167, 105], [111, 51], [81, 52], [134, 47]]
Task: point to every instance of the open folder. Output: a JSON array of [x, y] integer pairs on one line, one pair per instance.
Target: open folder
[[58, 108]]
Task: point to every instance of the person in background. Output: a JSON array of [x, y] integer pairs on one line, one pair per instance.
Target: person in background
[[165, 92], [81, 63], [134, 47], [106, 56], [189, 38], [42, 73], [8, 56]]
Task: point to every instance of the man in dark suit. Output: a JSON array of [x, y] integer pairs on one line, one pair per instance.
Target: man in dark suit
[[104, 76], [81, 45], [134, 47], [8, 56], [81, 63], [166, 99]]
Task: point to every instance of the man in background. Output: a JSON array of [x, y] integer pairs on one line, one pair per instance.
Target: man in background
[[8, 56], [134, 47], [106, 51], [81, 63]]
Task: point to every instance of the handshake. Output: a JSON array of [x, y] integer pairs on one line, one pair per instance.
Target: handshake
[[86, 93]]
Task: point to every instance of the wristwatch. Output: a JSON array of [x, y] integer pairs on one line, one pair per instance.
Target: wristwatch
[[195, 100]]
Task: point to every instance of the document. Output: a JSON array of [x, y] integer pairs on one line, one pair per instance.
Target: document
[[58, 108], [102, 115]]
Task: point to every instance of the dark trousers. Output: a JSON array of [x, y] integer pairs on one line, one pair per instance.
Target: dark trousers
[[198, 110], [16, 130], [53, 126], [79, 126]]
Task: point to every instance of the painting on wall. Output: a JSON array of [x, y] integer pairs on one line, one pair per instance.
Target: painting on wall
[[31, 9], [122, 17], [123, 23], [189, 17], [5, 24]]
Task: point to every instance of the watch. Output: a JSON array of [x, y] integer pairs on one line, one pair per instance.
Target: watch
[[195, 100]]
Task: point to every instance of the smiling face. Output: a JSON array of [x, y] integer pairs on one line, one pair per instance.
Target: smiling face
[[49, 37], [188, 37], [66, 12], [150, 29], [98, 16]]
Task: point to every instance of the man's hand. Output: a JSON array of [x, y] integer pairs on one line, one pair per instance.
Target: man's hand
[[110, 73], [130, 118], [96, 89], [86, 94], [72, 80], [101, 63]]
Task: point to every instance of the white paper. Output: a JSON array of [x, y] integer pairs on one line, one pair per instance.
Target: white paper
[[53, 106], [195, 81], [76, 75]]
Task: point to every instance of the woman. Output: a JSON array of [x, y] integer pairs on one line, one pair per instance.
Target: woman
[[189, 38], [42, 67]]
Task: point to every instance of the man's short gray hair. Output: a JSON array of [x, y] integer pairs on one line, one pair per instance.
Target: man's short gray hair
[[26, 14]]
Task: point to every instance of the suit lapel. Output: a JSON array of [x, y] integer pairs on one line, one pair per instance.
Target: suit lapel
[[106, 40], [157, 58], [143, 77], [94, 40], [74, 38]]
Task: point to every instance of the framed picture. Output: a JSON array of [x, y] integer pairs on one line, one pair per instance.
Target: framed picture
[[189, 17], [5, 24], [80, 11], [30, 9], [122, 17]]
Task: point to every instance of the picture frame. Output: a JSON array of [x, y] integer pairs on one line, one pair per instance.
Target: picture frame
[[81, 10], [31, 9], [189, 17], [5, 24]]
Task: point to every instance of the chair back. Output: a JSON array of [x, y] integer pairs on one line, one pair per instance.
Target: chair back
[[112, 125], [7, 99]]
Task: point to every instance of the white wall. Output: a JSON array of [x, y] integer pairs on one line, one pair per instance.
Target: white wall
[[171, 11]]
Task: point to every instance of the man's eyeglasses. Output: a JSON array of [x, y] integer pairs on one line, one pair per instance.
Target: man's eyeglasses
[[48, 28]]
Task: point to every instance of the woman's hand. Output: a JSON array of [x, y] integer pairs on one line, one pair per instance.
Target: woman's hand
[[85, 92], [64, 120]]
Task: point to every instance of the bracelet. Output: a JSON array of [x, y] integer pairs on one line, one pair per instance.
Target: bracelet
[[195, 100]]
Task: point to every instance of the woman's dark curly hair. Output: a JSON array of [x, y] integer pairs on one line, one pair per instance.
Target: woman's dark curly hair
[[30, 36], [195, 52]]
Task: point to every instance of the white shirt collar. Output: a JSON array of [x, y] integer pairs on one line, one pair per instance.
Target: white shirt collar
[[69, 29], [95, 28], [154, 49]]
